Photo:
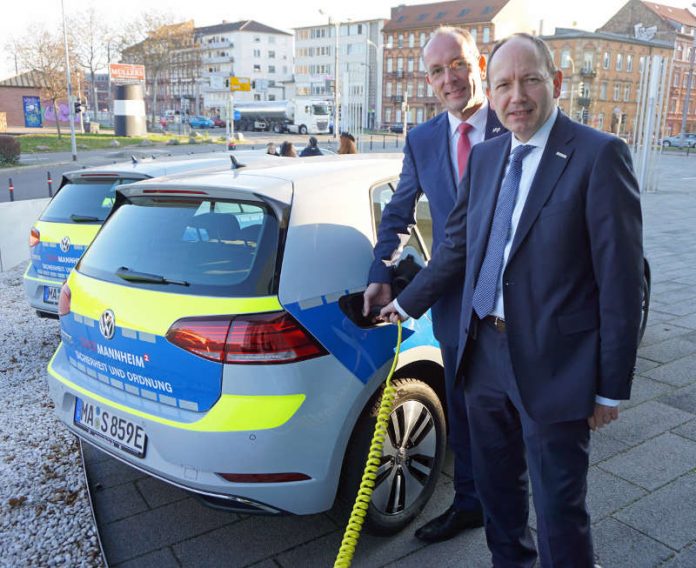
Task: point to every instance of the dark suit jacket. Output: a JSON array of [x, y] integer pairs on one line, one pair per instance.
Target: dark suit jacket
[[427, 168], [572, 283]]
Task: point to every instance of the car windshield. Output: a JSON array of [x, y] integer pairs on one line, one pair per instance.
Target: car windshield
[[320, 109], [188, 246], [83, 201]]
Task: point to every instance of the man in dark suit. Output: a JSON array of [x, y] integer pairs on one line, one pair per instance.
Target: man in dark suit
[[546, 237], [435, 156]]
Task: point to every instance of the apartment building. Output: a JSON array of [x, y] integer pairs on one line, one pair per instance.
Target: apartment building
[[410, 27], [677, 27], [359, 63], [244, 49], [602, 75]]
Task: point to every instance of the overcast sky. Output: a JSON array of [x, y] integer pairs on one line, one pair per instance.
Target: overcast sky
[[283, 14]]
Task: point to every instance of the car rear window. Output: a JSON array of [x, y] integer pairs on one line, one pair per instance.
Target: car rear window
[[188, 246], [83, 201]]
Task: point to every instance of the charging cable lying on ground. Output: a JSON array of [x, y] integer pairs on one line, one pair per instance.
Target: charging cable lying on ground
[[374, 457]]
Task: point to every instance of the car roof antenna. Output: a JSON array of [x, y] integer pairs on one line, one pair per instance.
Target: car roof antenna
[[236, 164], [134, 159]]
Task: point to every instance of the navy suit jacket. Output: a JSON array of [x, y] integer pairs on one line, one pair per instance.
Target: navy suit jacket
[[572, 282], [427, 168]]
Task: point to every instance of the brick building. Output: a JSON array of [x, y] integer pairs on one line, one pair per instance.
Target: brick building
[[601, 76], [677, 27], [409, 29]]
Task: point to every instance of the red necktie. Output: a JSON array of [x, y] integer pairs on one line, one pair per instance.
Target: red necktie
[[463, 147]]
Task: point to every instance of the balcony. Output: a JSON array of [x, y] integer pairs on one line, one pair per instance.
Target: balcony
[[588, 72], [397, 99], [584, 101], [217, 59]]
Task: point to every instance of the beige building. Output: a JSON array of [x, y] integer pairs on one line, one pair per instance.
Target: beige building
[[410, 27], [601, 76], [676, 27]]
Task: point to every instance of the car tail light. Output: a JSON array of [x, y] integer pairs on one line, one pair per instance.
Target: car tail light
[[64, 300], [264, 477], [246, 339], [34, 237]]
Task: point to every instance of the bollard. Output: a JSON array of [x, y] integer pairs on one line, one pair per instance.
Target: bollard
[[50, 184], [396, 141], [11, 190], [384, 141], [370, 142]]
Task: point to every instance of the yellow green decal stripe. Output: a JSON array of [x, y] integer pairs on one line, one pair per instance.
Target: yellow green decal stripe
[[79, 234], [42, 280], [232, 413], [154, 312]]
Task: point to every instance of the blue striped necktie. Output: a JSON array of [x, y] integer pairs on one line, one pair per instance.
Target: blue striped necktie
[[487, 284]]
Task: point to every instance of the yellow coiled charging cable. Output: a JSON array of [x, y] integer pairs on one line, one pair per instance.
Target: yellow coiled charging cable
[[374, 457]]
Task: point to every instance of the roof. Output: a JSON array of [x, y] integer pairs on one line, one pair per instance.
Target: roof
[[679, 15], [241, 26], [30, 79], [569, 33], [443, 13]]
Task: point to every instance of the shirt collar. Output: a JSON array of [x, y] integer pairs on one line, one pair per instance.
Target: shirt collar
[[477, 120], [541, 136]]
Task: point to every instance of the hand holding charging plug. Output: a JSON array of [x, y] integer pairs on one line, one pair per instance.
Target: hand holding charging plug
[[391, 314], [376, 296]]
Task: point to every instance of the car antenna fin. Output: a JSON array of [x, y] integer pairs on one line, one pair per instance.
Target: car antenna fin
[[236, 164], [134, 160]]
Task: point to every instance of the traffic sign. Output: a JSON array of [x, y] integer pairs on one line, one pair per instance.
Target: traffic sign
[[240, 84], [237, 115]]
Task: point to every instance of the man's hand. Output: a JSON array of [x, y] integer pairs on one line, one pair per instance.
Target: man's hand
[[602, 416], [391, 314], [378, 294]]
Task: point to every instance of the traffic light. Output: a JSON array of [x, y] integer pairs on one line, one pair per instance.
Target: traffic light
[[78, 106]]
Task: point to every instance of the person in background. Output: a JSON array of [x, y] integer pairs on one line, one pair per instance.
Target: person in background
[[435, 158], [288, 150], [311, 149], [271, 149], [546, 240], [347, 145]]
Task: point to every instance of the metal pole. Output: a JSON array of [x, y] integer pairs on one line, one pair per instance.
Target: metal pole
[[50, 184], [572, 89], [687, 97], [337, 28], [11, 188], [71, 106]]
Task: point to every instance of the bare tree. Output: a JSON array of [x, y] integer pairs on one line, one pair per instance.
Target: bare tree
[[43, 54], [159, 49]]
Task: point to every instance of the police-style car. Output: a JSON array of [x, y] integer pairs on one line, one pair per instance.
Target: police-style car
[[75, 214], [210, 339]]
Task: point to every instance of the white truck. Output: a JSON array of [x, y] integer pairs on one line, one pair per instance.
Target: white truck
[[299, 116]]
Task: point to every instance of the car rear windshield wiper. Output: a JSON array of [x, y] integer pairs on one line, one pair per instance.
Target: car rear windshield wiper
[[135, 276], [85, 219]]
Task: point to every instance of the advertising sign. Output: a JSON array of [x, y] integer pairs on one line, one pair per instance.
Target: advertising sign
[[32, 112], [126, 72]]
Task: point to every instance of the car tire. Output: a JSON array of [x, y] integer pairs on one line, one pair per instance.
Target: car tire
[[666, 143], [277, 128], [410, 467]]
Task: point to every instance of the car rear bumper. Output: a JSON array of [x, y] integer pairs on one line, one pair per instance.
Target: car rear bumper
[[34, 286]]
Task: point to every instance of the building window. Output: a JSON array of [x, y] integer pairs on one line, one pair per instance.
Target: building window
[[410, 64], [419, 115], [387, 114], [588, 60], [606, 60], [486, 35], [390, 41], [629, 63], [619, 62], [603, 87], [360, 29], [423, 39], [400, 40], [617, 91], [390, 65], [565, 89], [676, 78], [421, 89], [388, 90], [257, 39], [411, 39], [399, 89], [271, 68], [397, 118], [627, 92], [257, 53], [271, 55], [565, 58], [399, 64], [257, 68], [473, 32]]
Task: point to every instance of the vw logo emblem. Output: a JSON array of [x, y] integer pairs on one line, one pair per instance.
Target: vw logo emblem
[[107, 324], [65, 244]]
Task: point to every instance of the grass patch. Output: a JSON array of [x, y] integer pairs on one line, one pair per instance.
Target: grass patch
[[38, 143]]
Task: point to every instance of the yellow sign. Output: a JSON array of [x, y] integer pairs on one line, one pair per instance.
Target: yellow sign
[[240, 84]]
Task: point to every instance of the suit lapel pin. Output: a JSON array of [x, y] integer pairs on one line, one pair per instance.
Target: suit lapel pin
[[561, 155], [496, 130]]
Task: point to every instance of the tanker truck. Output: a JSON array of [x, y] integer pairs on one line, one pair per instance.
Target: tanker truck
[[299, 116]]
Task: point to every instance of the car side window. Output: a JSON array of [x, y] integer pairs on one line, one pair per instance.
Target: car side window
[[421, 236]]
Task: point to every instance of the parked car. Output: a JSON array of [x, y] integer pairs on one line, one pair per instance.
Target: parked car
[[75, 214], [689, 141], [198, 121], [219, 123], [210, 338]]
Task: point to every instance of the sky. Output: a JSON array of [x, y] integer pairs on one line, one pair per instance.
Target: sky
[[282, 14]]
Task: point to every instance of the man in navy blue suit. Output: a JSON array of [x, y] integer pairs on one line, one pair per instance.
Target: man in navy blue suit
[[435, 157], [546, 240]]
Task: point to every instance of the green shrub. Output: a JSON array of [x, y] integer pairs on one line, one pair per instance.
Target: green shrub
[[9, 150]]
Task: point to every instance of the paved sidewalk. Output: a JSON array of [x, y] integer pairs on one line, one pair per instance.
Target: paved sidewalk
[[642, 479]]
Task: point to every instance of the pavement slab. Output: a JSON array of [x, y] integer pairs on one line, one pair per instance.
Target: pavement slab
[[687, 430], [684, 559], [620, 546], [679, 373], [669, 350], [645, 421]]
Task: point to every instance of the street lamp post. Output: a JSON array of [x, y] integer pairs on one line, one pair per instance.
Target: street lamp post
[[572, 87], [335, 93], [71, 107]]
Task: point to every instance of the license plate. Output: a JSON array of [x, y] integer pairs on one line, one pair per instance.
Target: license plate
[[51, 294], [110, 426]]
